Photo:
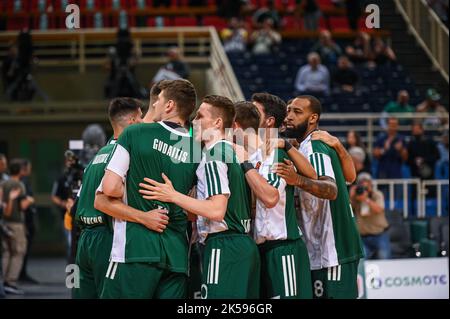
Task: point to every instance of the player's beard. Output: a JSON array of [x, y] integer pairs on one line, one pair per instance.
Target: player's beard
[[297, 132]]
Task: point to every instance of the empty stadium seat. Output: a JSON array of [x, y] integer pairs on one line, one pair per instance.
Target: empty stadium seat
[[400, 239]]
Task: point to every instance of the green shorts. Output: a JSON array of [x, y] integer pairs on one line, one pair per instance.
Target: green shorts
[[338, 282], [93, 251], [143, 281], [285, 270], [231, 267]]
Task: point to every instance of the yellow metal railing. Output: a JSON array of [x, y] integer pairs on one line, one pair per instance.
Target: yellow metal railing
[[429, 31]]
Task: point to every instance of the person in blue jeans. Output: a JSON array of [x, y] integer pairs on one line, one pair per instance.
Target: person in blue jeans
[[368, 207]]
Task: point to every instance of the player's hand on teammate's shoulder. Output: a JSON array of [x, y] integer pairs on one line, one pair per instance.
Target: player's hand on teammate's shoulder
[[325, 137]]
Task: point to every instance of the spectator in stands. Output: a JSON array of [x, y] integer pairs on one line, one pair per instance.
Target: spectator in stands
[[422, 153], [313, 78], [390, 151], [234, 37], [122, 61], [380, 53], [345, 77], [311, 14], [14, 246], [368, 206], [441, 171], [10, 67], [60, 196], [400, 106], [30, 223], [328, 50], [265, 40], [353, 10], [358, 156], [174, 69], [354, 140], [268, 12], [360, 50], [431, 106], [3, 168]]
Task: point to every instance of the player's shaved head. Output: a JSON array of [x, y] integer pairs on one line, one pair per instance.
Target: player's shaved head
[[314, 105]]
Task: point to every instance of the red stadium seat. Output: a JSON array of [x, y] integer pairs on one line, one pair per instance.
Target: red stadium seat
[[185, 21], [219, 23]]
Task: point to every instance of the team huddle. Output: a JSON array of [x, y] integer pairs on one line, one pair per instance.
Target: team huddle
[[218, 176]]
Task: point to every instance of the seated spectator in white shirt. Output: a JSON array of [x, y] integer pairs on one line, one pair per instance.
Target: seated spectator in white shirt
[[314, 77], [266, 39]]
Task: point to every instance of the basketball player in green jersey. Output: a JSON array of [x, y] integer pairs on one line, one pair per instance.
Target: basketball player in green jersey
[[144, 263], [326, 217], [285, 270], [231, 261], [94, 245]]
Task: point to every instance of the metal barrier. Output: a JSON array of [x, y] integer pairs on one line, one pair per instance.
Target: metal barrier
[[421, 190], [86, 47], [439, 184], [404, 183], [428, 30]]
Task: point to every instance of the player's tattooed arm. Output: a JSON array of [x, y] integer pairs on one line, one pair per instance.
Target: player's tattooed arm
[[324, 187], [348, 167]]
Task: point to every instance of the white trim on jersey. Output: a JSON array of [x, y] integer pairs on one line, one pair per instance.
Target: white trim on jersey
[[120, 161], [216, 178], [173, 130], [322, 164]]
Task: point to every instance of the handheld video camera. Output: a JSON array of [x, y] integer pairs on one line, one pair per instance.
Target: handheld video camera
[[74, 169]]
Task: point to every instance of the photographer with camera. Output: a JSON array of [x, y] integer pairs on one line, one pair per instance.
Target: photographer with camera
[[62, 192], [368, 206], [14, 240]]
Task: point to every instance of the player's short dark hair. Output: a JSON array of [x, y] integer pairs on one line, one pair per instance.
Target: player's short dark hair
[[273, 106], [247, 115], [182, 92], [314, 104], [223, 107], [15, 166], [121, 106], [155, 90]]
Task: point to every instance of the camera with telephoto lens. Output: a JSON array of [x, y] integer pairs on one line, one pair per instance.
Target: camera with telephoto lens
[[360, 189], [74, 171]]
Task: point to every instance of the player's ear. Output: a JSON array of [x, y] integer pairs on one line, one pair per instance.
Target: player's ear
[[314, 118], [170, 106]]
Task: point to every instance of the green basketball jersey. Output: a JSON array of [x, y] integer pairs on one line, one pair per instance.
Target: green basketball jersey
[[87, 215], [329, 227], [279, 222], [219, 172], [148, 150]]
